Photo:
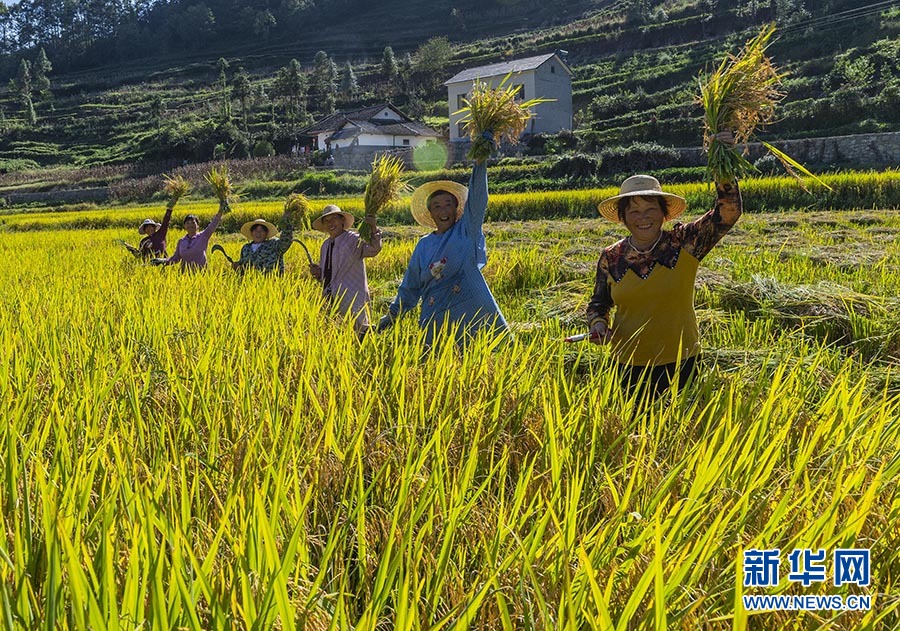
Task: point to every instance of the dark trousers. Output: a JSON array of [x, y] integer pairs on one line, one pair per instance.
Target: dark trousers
[[655, 380]]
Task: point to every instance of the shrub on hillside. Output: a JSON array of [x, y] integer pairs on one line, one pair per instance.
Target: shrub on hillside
[[550, 144], [11, 165], [639, 156], [263, 149], [198, 141], [577, 167]]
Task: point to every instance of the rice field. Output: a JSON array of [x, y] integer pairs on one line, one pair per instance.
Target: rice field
[[203, 452]]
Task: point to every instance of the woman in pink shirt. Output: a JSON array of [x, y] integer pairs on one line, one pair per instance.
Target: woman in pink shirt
[[191, 248], [341, 268]]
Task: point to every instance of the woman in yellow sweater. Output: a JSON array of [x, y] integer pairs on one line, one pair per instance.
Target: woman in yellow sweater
[[649, 278]]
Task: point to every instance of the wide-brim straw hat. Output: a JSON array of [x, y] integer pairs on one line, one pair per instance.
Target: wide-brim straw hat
[[419, 202], [247, 228], [331, 209], [148, 222], [641, 186]]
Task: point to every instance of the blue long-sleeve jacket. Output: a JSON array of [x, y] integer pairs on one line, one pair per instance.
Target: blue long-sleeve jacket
[[444, 273]]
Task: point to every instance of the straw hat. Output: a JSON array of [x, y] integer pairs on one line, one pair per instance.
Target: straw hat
[[419, 202], [148, 222], [247, 228], [641, 186], [331, 209]]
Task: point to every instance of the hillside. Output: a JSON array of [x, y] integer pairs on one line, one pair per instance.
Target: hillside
[[140, 92]]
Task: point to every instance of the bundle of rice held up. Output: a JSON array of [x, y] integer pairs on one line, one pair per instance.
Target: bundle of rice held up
[[384, 186], [176, 187], [297, 209], [740, 97], [493, 115], [221, 185]]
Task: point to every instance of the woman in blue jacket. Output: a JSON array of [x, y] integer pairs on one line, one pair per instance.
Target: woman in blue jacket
[[444, 272]]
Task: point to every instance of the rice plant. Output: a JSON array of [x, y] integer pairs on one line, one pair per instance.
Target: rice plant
[[204, 456], [494, 115], [383, 187]]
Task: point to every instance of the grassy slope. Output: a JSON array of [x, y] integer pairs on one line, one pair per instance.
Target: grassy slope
[[102, 115]]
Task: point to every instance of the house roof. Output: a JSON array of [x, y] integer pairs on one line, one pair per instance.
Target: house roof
[[504, 68], [352, 129], [336, 120]]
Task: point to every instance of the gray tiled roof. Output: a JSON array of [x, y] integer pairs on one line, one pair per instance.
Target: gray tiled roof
[[384, 128], [502, 68], [334, 121]]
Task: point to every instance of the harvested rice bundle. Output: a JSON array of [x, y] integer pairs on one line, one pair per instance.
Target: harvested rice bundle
[[741, 97], [296, 208], [493, 115], [221, 185], [384, 186], [176, 187]]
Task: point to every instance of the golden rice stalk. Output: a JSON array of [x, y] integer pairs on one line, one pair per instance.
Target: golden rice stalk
[[741, 97], [221, 185], [383, 187], [492, 115], [176, 187], [297, 209]]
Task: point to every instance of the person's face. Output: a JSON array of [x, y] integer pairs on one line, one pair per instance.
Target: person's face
[[442, 209], [644, 218], [149, 229], [334, 224], [259, 233], [191, 226]]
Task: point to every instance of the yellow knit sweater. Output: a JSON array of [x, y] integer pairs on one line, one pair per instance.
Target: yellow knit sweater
[[654, 332]]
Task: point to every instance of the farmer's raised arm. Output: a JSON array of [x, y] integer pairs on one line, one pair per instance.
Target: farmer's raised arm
[[701, 235], [368, 250], [164, 226], [477, 200], [213, 224]]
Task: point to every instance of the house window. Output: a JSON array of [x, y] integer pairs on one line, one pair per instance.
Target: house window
[[461, 130], [460, 101], [406, 142], [552, 69], [520, 91]]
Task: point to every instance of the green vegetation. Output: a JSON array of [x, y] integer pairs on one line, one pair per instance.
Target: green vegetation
[[193, 456], [244, 80], [865, 190]]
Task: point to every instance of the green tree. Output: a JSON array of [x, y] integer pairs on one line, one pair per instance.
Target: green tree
[[263, 24], [323, 80], [389, 69], [225, 111], [349, 84], [24, 89], [429, 61], [42, 67], [242, 90], [157, 110], [290, 87]]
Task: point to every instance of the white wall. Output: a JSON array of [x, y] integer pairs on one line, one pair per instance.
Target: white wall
[[376, 140], [553, 117], [538, 83]]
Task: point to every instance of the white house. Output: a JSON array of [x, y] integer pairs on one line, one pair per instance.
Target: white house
[[544, 76], [382, 126]]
